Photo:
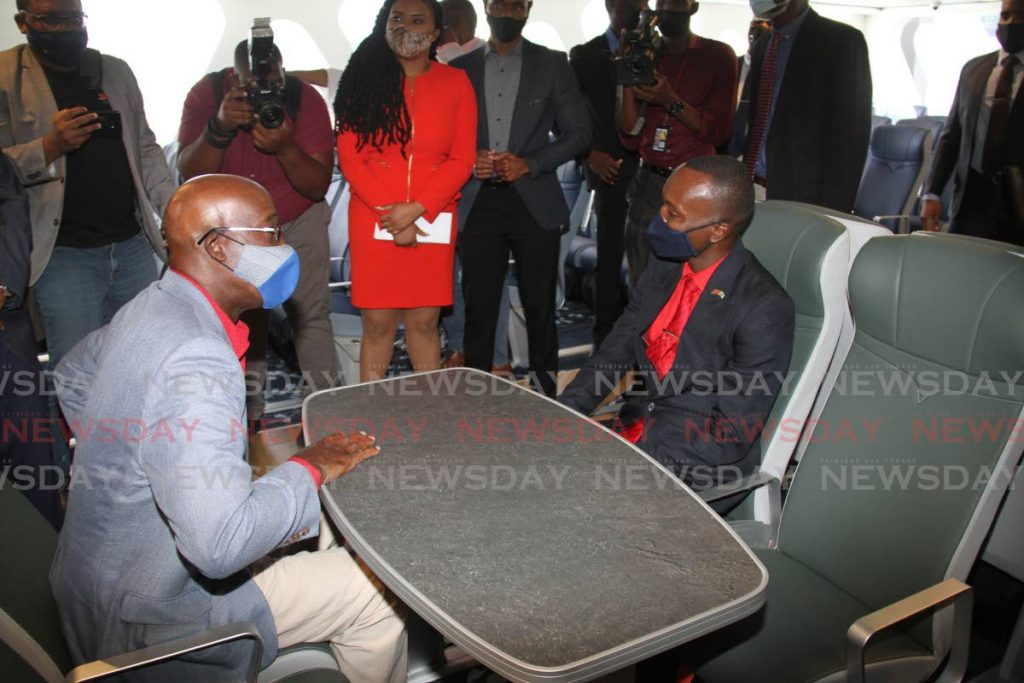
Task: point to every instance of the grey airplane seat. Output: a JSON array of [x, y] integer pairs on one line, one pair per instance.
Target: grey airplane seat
[[885, 519], [809, 254], [32, 647]]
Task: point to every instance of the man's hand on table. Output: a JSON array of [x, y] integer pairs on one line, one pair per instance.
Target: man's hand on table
[[337, 455]]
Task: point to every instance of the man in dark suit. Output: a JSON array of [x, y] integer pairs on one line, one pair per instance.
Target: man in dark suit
[[610, 166], [809, 95], [710, 337], [982, 145], [23, 409], [514, 201]]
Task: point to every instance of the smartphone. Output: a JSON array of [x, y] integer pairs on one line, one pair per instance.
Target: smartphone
[[110, 124]]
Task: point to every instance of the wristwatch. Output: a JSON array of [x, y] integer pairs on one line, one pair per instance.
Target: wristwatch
[[677, 108]]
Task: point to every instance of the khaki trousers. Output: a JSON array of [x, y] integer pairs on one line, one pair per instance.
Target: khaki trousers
[[327, 596]]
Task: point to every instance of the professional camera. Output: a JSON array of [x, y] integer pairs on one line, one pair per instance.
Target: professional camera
[[635, 66], [267, 98]]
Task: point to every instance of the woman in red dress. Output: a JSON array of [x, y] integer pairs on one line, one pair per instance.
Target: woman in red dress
[[406, 146]]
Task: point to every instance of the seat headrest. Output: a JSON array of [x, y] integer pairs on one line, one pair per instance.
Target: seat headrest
[[791, 240], [899, 143], [898, 283]]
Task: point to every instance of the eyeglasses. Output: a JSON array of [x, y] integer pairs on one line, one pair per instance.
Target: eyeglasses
[[58, 21], [278, 232]]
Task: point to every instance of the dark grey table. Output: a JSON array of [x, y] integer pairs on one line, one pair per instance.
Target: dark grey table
[[545, 546]]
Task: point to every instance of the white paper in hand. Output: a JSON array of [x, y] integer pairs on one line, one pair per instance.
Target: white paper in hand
[[438, 232]]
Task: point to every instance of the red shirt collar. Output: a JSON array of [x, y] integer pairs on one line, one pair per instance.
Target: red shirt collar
[[238, 333]]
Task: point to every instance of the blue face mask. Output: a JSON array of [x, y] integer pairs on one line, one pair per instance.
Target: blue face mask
[[669, 244], [274, 271]]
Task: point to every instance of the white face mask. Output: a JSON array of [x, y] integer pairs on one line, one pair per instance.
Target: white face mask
[[768, 9], [406, 43]]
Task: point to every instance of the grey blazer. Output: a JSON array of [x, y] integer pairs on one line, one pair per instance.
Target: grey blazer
[[26, 113], [549, 100], [163, 519]]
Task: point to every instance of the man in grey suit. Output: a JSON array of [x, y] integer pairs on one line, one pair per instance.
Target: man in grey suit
[[164, 522], [72, 121], [514, 201]]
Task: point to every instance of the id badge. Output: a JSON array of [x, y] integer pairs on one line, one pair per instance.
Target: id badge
[[660, 139]]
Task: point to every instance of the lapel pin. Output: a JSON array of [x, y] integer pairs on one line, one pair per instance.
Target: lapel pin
[[719, 293]]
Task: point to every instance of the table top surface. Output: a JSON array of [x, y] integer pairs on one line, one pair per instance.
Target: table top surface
[[543, 544]]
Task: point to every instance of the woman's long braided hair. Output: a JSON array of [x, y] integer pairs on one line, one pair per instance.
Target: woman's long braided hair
[[371, 98]]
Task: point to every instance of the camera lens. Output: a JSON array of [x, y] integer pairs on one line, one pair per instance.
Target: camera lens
[[271, 115]]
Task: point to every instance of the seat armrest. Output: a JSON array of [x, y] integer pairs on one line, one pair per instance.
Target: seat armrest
[[950, 591], [747, 483], [100, 669]]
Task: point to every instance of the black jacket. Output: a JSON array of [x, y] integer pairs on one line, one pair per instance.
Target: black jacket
[[956, 144], [595, 72], [819, 134], [738, 340]]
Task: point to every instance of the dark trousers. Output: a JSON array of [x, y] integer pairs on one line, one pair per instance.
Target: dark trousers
[[611, 207], [501, 224], [983, 211]]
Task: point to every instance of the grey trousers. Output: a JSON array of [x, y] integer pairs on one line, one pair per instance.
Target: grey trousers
[[308, 309], [644, 196]]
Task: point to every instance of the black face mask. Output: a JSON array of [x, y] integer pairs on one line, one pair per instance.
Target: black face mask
[[63, 48], [506, 29], [1011, 37], [673, 24]]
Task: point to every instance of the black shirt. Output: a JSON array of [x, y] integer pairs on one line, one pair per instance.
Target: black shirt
[[99, 194]]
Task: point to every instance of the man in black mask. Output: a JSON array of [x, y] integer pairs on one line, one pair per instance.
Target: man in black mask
[[982, 145], [686, 113], [72, 122], [708, 331], [514, 203]]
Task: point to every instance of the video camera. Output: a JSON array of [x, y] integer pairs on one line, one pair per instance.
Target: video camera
[[266, 97], [635, 66]]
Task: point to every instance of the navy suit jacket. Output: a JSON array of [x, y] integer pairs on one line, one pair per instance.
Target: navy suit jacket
[[956, 144], [730, 364], [15, 251], [549, 100], [819, 133]]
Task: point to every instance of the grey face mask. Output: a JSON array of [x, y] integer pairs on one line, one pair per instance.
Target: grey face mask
[[406, 43]]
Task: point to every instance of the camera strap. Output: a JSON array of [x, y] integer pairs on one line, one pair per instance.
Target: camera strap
[[91, 68]]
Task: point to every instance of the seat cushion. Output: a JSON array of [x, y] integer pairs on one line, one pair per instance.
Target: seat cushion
[[303, 663], [315, 676], [799, 636]]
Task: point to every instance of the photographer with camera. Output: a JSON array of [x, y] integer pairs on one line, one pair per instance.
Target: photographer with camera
[[72, 121], [610, 166], [680, 109], [255, 122]]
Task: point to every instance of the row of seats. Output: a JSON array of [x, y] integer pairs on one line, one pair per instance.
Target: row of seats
[[847, 544]]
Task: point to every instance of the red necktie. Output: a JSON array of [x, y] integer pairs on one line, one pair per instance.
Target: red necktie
[[765, 88], [992, 156], [663, 344]]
